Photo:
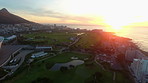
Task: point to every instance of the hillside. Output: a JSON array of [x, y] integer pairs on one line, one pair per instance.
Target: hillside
[[7, 18]]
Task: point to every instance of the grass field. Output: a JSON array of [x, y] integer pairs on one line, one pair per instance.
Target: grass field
[[80, 74], [88, 39], [49, 38]]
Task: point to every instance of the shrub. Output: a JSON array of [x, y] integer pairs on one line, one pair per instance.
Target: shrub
[[42, 80], [71, 66], [63, 69], [49, 65], [2, 72]]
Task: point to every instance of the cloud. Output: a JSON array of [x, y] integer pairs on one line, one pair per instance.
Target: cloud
[[63, 17]]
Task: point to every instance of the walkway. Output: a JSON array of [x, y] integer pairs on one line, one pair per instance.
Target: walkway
[[46, 58], [64, 48], [99, 64], [114, 76]]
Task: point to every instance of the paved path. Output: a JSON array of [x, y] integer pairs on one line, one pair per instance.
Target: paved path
[[64, 48], [114, 76], [46, 58], [74, 41], [99, 63]]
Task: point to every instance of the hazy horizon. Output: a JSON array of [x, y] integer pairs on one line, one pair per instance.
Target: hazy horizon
[[113, 13]]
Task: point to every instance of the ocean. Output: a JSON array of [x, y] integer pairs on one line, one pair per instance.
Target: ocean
[[139, 35]]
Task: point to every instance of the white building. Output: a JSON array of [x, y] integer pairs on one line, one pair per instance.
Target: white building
[[1, 41], [11, 37], [139, 68], [39, 54]]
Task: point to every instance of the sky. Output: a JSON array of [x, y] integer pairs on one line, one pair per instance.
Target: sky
[[114, 13]]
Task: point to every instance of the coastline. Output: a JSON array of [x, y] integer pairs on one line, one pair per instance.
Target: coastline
[[133, 43], [137, 34]]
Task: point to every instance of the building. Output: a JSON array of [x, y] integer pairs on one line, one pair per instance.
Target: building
[[11, 38], [1, 41], [132, 54], [39, 54], [139, 68], [43, 48], [138, 64]]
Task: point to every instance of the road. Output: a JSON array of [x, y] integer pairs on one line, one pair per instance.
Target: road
[[21, 56], [64, 48], [74, 42], [6, 52]]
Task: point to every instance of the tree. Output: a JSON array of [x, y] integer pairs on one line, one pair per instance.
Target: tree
[[71, 66], [42, 80], [63, 69], [97, 77], [2, 72], [49, 65]]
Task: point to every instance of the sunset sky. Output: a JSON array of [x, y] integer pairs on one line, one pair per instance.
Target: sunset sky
[[115, 13]]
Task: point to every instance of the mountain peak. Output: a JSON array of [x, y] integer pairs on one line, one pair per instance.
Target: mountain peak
[[9, 18], [4, 10]]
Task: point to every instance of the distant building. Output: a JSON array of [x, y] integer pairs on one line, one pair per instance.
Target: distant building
[[139, 68]]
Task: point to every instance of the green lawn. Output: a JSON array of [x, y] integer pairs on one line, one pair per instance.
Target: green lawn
[[88, 39], [39, 69], [80, 74], [50, 38], [119, 78]]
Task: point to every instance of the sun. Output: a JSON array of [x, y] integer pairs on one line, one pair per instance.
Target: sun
[[117, 28], [115, 25]]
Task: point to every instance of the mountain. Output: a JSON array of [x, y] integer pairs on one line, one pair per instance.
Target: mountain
[[7, 18]]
